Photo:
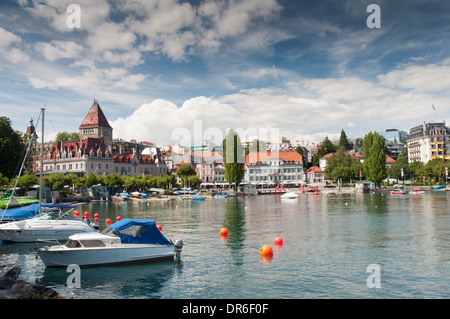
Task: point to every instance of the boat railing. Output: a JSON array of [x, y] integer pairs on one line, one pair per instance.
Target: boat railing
[[47, 241]]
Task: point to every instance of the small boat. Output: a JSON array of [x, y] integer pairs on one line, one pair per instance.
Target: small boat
[[124, 242], [416, 191], [49, 224], [398, 190], [135, 194], [220, 196], [439, 188], [289, 195], [198, 197]]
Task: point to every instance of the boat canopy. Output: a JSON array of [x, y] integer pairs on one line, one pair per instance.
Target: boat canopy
[[137, 231], [24, 212]]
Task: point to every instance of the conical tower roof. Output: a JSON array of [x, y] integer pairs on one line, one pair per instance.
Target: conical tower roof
[[95, 117]]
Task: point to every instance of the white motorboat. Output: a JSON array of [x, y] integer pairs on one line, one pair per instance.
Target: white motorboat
[[289, 195], [45, 225], [126, 241]]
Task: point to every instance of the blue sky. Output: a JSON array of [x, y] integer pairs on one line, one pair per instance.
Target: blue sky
[[162, 68]]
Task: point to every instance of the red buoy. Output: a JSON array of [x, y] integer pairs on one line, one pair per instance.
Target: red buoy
[[108, 222], [278, 241], [223, 232], [118, 218], [159, 227], [266, 250]]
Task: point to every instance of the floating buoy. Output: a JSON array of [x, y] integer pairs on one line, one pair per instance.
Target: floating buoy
[[76, 213], [266, 250], [159, 227], [223, 232], [108, 222], [118, 218], [278, 241], [86, 214], [96, 216]]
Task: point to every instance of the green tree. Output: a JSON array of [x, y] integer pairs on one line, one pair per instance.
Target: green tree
[[233, 157], [344, 144], [185, 170], [26, 180], [67, 137], [12, 149], [3, 180], [325, 148], [375, 158]]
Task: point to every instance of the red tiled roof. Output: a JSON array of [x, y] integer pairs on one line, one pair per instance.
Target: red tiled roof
[[95, 117], [314, 169], [264, 156], [353, 155], [389, 160]]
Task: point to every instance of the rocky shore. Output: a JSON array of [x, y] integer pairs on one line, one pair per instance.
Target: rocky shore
[[12, 288]]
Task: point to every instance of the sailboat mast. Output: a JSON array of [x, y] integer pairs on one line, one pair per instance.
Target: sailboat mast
[[42, 161]]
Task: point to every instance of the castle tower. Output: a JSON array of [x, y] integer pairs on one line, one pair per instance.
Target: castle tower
[[96, 125]]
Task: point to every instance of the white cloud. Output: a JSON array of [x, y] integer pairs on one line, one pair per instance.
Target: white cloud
[[59, 49], [8, 47]]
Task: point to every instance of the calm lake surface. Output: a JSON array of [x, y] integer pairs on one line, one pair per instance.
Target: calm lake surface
[[329, 242]]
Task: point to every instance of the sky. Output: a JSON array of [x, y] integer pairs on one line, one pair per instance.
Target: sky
[[168, 71]]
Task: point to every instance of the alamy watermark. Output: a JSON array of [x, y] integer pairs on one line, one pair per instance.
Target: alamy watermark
[[374, 279], [73, 21], [373, 20], [74, 279]]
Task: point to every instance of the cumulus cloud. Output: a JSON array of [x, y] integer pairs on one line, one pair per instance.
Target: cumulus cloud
[[324, 107]]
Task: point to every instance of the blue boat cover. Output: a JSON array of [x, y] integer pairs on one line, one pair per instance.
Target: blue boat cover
[[139, 231], [24, 212], [28, 211]]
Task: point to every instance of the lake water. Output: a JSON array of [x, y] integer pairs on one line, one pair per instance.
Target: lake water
[[329, 243]]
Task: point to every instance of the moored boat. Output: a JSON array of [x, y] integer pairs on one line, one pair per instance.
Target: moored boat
[[289, 195], [126, 241], [45, 225], [398, 190]]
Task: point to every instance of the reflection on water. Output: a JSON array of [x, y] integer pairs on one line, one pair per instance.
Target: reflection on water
[[329, 241]]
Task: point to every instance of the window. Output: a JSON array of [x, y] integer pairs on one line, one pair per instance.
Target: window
[[92, 243], [134, 230], [73, 244]]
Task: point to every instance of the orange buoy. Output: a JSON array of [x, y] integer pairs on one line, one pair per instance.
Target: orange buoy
[[266, 250], [159, 227], [118, 218], [278, 241], [108, 221], [223, 232]]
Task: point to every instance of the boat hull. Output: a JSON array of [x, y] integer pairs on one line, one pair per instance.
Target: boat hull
[[61, 256], [28, 231]]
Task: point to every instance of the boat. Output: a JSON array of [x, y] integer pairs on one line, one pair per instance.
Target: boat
[[220, 196], [198, 197], [439, 188], [289, 195], [272, 191], [135, 194], [398, 190], [124, 242], [51, 223], [416, 191]]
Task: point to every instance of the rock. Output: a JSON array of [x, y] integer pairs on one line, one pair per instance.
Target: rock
[[11, 288], [24, 290], [10, 277]]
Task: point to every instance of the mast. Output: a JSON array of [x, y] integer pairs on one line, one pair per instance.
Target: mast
[[42, 161]]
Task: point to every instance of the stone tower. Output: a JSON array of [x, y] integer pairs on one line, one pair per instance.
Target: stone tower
[[96, 125]]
